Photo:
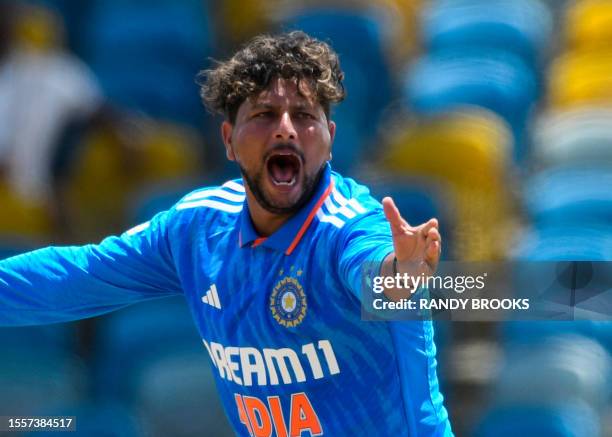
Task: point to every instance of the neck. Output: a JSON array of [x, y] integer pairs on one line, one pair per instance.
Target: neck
[[264, 222]]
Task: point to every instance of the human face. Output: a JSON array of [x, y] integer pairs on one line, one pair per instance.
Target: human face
[[281, 140]]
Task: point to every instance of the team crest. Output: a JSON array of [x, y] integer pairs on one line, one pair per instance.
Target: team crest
[[288, 302]]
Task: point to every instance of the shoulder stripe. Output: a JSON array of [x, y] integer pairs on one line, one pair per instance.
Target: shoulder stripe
[[139, 228], [355, 204], [329, 219], [344, 210], [211, 204], [232, 185], [338, 197], [216, 192], [330, 212]]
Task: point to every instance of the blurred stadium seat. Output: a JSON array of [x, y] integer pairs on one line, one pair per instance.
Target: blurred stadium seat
[[560, 368], [40, 368], [574, 420], [128, 339], [523, 27], [563, 243], [495, 80], [150, 355], [571, 197], [580, 78], [177, 396], [573, 137], [147, 57], [588, 25], [33, 380]]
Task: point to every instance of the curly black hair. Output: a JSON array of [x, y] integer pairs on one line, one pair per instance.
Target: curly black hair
[[293, 55]]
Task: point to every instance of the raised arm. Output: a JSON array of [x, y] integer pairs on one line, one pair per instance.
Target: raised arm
[[57, 284]]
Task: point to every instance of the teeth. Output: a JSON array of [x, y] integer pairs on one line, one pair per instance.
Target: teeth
[[284, 184]]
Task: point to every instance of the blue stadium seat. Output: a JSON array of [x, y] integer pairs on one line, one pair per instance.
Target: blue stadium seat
[[35, 379], [523, 27], [570, 196], [131, 338], [59, 337], [147, 55], [358, 40], [565, 367], [499, 81], [150, 356], [569, 420], [582, 136], [553, 244], [562, 243], [533, 333], [177, 396]]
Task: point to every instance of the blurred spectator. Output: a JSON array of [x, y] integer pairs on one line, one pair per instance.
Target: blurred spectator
[[42, 90]]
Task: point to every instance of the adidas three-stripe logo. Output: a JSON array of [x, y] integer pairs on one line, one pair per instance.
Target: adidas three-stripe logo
[[212, 297]]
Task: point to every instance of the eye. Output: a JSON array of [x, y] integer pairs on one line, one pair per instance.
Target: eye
[[304, 114], [262, 114]]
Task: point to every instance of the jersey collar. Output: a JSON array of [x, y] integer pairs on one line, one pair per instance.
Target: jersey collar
[[289, 235]]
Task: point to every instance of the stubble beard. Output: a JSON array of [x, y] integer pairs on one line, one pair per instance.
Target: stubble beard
[[255, 184]]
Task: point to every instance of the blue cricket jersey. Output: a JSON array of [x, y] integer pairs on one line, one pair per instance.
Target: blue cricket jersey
[[280, 316]]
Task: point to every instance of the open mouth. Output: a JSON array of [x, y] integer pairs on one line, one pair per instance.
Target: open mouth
[[284, 168]]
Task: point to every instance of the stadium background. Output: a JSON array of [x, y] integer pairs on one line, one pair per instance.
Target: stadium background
[[493, 115]]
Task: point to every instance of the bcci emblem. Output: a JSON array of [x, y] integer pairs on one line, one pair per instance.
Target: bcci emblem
[[288, 302]]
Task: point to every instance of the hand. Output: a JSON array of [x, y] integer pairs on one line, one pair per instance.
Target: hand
[[417, 249]]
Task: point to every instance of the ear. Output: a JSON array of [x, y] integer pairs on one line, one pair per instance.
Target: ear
[[226, 133], [332, 134]]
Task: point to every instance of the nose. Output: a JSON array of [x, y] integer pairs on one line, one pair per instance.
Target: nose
[[285, 130]]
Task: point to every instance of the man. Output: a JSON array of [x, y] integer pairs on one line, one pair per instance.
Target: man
[[271, 265]]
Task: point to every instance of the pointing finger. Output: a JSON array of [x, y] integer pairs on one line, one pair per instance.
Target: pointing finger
[[393, 215]]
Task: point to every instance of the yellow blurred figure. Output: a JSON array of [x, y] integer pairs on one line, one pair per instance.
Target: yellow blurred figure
[[109, 170], [38, 28], [579, 78], [23, 220], [468, 153], [588, 25]]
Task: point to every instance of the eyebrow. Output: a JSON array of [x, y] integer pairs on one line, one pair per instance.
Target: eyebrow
[[267, 105]]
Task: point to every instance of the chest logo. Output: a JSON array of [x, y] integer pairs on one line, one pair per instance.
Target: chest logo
[[288, 302]]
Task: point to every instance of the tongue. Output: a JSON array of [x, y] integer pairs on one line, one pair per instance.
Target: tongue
[[282, 173]]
